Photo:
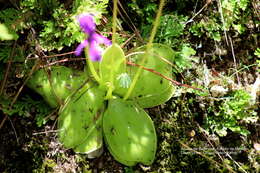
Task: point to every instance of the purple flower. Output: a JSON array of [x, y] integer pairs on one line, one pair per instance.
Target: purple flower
[[88, 26]]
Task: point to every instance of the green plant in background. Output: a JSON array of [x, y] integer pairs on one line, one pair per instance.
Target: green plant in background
[[184, 58], [25, 107], [5, 52], [232, 11], [233, 112], [18, 54], [144, 11], [232, 15], [170, 32], [210, 27], [5, 33], [18, 107], [257, 53], [1, 72], [58, 26], [10, 25], [170, 29], [62, 30]]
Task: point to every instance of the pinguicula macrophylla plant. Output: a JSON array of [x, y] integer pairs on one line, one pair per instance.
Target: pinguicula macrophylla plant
[[104, 104]]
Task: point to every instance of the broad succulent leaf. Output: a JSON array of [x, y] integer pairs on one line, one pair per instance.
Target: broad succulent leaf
[[113, 64], [63, 82], [80, 120], [148, 101], [151, 90], [129, 133]]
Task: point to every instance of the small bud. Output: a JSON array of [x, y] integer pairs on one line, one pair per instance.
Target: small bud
[[124, 80]]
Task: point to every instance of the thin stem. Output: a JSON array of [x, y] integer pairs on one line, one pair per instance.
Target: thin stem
[[223, 21], [91, 67], [7, 70], [148, 47], [246, 67], [36, 65], [234, 59], [109, 93], [155, 25], [114, 22], [111, 87]]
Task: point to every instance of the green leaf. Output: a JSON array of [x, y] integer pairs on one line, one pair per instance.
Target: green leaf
[[129, 133], [221, 132], [62, 82], [113, 64], [159, 90], [80, 120], [5, 33], [257, 52]]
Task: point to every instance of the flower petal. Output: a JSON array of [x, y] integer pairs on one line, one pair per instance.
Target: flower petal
[[101, 39], [80, 47], [87, 24], [95, 51]]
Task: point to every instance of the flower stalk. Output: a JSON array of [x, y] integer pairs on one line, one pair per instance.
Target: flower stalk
[[92, 68], [114, 21], [149, 45], [110, 84]]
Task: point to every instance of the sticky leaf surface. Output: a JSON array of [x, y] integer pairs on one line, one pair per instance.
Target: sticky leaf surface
[[80, 120], [129, 133]]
